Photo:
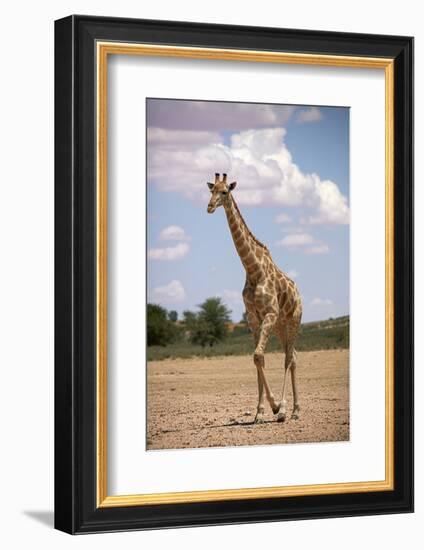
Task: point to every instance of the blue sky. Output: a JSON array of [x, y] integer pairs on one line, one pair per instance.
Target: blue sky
[[291, 164]]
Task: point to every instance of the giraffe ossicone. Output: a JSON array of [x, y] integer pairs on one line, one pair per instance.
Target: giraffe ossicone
[[271, 298]]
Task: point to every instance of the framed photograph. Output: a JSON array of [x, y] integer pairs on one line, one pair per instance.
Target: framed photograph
[[234, 274]]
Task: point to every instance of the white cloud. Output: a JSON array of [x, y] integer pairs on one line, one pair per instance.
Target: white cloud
[[296, 239], [178, 138], [318, 249], [169, 253], [332, 207], [258, 159], [304, 241], [173, 233], [292, 273], [217, 115], [313, 114], [283, 218], [170, 293], [317, 302], [232, 296], [288, 229]]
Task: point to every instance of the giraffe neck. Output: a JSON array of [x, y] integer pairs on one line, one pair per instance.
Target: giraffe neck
[[249, 249]]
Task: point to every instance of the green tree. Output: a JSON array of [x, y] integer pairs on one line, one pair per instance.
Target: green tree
[[190, 319], [173, 316], [209, 325], [160, 330]]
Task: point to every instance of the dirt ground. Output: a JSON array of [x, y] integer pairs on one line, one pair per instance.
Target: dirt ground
[[212, 402]]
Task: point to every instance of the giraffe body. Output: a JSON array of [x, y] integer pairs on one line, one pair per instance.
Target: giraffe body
[[271, 298]]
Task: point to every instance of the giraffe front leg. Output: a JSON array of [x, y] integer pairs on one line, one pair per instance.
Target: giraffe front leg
[[259, 359], [253, 322]]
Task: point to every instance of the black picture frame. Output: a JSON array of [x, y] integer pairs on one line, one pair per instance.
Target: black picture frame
[[76, 509]]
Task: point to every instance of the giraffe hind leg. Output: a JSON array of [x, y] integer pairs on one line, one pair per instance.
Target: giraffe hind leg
[[282, 414], [259, 417], [290, 366], [267, 326], [293, 336], [296, 407]]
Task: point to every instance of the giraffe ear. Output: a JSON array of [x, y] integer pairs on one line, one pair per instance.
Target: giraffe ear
[[232, 185], [210, 185]]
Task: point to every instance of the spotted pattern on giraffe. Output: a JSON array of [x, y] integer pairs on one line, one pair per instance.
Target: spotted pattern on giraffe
[[272, 300]]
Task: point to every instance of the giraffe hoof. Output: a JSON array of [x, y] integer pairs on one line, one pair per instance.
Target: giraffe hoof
[[295, 413], [259, 420], [276, 408], [281, 417]]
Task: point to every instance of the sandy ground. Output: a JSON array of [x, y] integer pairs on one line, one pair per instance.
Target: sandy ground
[[212, 402]]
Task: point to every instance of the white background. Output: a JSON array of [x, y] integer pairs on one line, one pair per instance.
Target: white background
[[26, 289], [360, 459]]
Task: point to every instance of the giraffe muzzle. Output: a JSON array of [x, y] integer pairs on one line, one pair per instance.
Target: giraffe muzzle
[[211, 209]]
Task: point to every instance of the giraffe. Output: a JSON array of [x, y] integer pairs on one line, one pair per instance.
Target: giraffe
[[271, 298]]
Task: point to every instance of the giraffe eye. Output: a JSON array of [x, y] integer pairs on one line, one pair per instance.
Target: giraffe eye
[[224, 192]]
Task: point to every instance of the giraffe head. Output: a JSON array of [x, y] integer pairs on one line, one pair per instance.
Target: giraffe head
[[220, 192]]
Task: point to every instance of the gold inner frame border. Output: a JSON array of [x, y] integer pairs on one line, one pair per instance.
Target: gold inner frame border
[[103, 50]]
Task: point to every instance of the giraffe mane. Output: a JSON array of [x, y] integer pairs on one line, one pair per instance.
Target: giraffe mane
[[257, 241]]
